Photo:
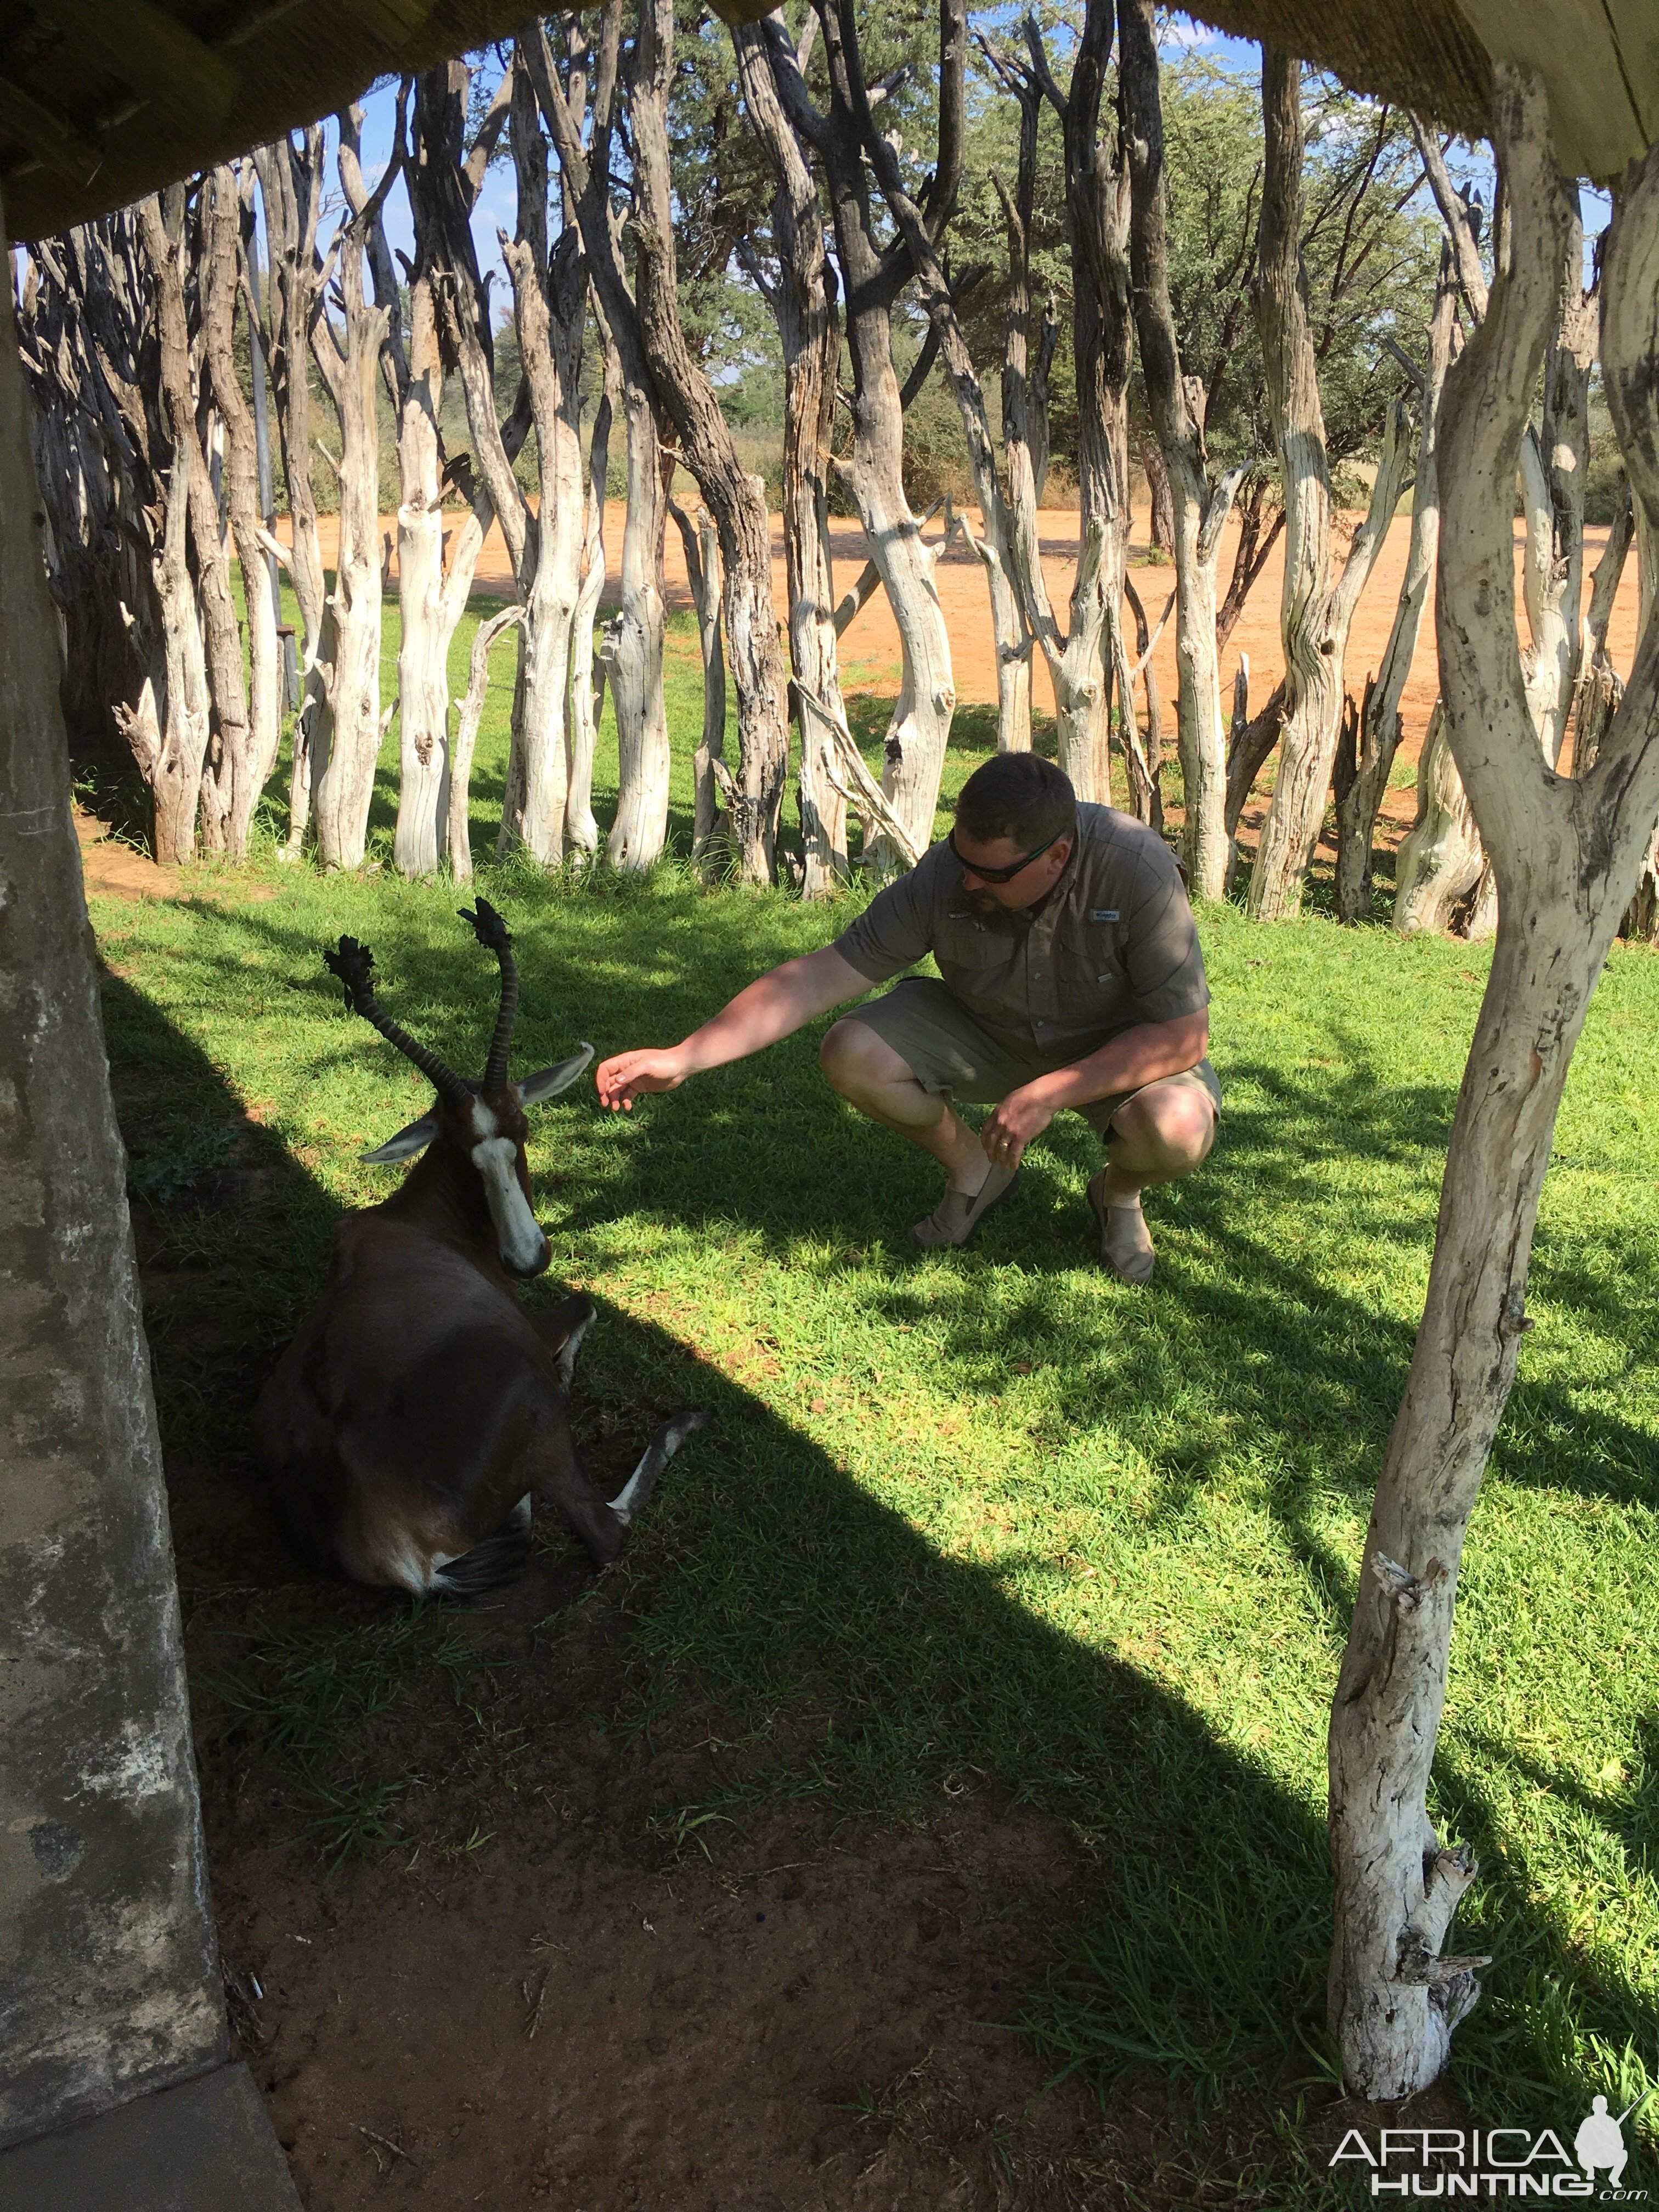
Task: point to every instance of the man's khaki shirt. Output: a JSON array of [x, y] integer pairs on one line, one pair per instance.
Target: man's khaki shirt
[[1113, 943]]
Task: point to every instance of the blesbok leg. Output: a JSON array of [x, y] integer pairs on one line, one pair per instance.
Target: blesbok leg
[[562, 1329], [636, 1492]]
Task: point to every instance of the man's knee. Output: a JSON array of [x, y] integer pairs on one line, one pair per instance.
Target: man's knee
[[1171, 1126], [854, 1058]]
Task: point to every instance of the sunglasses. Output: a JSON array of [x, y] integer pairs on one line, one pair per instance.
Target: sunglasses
[[1002, 875]]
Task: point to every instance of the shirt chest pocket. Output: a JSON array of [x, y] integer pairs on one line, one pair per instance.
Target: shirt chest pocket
[[1093, 956]]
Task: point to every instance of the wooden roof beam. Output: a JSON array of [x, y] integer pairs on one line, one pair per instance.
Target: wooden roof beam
[[51, 139], [154, 55]]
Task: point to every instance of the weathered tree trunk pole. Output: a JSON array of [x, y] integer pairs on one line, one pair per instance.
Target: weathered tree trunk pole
[[580, 824], [118, 553], [458, 843], [1084, 665], [168, 731], [1553, 468], [1025, 395], [1198, 509], [1003, 515], [700, 541], [873, 274], [631, 645], [1315, 613], [1440, 860], [1565, 852], [1363, 770], [290, 189], [164, 230], [433, 580], [809, 330], [1079, 658], [550, 306], [735, 498], [344, 726], [659, 382], [254, 754], [630, 649]]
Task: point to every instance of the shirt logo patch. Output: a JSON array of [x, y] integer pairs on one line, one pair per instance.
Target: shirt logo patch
[[1103, 914]]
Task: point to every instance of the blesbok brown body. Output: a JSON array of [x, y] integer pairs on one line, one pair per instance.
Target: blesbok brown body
[[422, 1408]]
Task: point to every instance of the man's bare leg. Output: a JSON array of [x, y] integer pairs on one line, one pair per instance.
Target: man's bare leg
[[1159, 1135], [870, 1075]]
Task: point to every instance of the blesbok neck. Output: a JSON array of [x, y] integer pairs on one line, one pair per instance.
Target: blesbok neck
[[443, 1190]]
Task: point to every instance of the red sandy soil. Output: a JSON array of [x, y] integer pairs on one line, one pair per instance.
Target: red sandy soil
[[870, 648], [118, 870]]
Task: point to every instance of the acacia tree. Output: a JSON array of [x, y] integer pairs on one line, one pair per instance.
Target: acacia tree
[[1565, 851], [1317, 608]]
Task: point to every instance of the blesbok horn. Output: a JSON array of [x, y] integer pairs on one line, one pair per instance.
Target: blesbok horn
[[491, 933], [354, 963]]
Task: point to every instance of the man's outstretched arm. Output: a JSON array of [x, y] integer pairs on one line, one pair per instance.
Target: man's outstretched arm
[[773, 1005]]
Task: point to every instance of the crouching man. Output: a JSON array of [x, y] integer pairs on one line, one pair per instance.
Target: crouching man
[[1070, 977]]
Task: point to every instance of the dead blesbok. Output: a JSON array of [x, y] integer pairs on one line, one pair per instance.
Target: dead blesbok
[[421, 1408]]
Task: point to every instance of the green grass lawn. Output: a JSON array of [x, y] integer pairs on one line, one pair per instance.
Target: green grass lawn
[[991, 1515]]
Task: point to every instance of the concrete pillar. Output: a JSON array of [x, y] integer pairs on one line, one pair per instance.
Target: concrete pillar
[[109, 1974]]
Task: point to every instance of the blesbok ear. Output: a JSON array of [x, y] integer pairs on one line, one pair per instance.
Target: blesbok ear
[[415, 1137], [547, 1082]]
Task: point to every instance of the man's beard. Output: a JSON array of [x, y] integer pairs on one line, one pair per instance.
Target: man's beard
[[984, 905]]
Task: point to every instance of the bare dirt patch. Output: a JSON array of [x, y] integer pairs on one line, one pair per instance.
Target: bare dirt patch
[[549, 1992], [116, 869]]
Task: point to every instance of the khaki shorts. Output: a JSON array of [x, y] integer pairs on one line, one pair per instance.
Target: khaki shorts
[[950, 1052]]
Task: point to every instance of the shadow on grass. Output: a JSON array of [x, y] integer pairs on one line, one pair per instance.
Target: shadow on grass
[[768, 1580]]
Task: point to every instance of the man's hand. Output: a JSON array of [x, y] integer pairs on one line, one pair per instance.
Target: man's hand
[[1023, 1114], [773, 1005], [630, 1075]]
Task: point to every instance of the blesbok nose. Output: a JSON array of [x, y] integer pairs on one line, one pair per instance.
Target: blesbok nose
[[524, 1270]]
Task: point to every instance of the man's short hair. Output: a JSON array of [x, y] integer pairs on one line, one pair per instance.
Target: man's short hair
[[1019, 796]]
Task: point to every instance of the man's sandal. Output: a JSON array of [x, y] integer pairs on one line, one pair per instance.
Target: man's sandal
[[1126, 1249], [956, 1216]]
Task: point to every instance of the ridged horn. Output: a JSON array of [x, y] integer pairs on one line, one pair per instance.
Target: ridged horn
[[354, 963], [491, 933]]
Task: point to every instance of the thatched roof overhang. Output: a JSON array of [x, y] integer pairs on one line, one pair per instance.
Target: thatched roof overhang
[[102, 101], [1599, 60]]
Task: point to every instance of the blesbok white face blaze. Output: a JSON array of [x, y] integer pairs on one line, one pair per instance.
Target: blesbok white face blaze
[[519, 1237]]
